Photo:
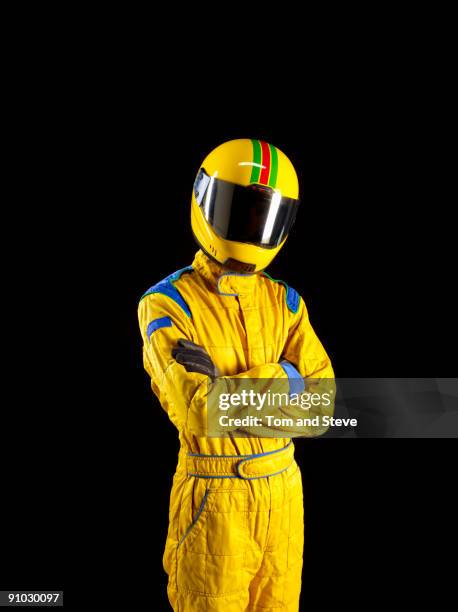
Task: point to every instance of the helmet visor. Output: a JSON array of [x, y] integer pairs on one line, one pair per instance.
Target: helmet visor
[[254, 214]]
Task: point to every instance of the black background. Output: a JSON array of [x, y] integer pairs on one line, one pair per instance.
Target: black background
[[87, 455]]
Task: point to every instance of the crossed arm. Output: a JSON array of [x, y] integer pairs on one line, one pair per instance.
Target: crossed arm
[[180, 369]]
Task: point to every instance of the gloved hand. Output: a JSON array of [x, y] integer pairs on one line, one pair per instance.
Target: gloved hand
[[194, 358]]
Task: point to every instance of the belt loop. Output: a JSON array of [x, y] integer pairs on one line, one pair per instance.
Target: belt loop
[[277, 462]]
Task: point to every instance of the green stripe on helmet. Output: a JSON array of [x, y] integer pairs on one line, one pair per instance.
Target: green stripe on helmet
[[256, 169], [273, 166]]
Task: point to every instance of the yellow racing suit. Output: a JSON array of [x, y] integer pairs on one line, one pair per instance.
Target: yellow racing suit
[[236, 529]]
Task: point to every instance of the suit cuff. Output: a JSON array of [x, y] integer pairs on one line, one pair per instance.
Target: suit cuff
[[296, 382]]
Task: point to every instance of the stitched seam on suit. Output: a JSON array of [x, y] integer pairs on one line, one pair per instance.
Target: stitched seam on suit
[[207, 554], [247, 531], [212, 595], [287, 548], [211, 474], [235, 347], [195, 519], [269, 575], [281, 606], [204, 382], [177, 537], [249, 462], [164, 373], [260, 476], [269, 517], [218, 308], [206, 559], [203, 457], [195, 552]]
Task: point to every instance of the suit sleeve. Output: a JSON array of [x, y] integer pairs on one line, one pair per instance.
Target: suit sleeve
[[303, 348], [162, 324]]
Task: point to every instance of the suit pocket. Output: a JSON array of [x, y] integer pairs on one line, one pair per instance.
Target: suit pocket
[[196, 524], [211, 552]]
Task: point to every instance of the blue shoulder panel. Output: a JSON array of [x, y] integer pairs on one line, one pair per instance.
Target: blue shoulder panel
[[166, 287], [292, 297]]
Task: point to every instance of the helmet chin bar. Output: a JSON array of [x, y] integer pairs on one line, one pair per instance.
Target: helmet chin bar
[[239, 266], [230, 263], [205, 251]]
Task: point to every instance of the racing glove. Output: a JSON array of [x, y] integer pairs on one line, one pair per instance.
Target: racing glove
[[194, 358]]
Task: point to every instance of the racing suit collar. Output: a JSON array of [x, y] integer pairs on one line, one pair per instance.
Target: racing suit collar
[[224, 281]]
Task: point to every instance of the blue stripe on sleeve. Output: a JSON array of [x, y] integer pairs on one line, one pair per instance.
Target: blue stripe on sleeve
[[157, 324]]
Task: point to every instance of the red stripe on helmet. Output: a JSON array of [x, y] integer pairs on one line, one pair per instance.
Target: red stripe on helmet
[[265, 171]]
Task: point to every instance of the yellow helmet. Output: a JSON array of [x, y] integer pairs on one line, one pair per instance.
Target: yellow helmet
[[244, 203]]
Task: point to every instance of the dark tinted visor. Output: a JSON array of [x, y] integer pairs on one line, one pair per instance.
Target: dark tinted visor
[[254, 214]]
